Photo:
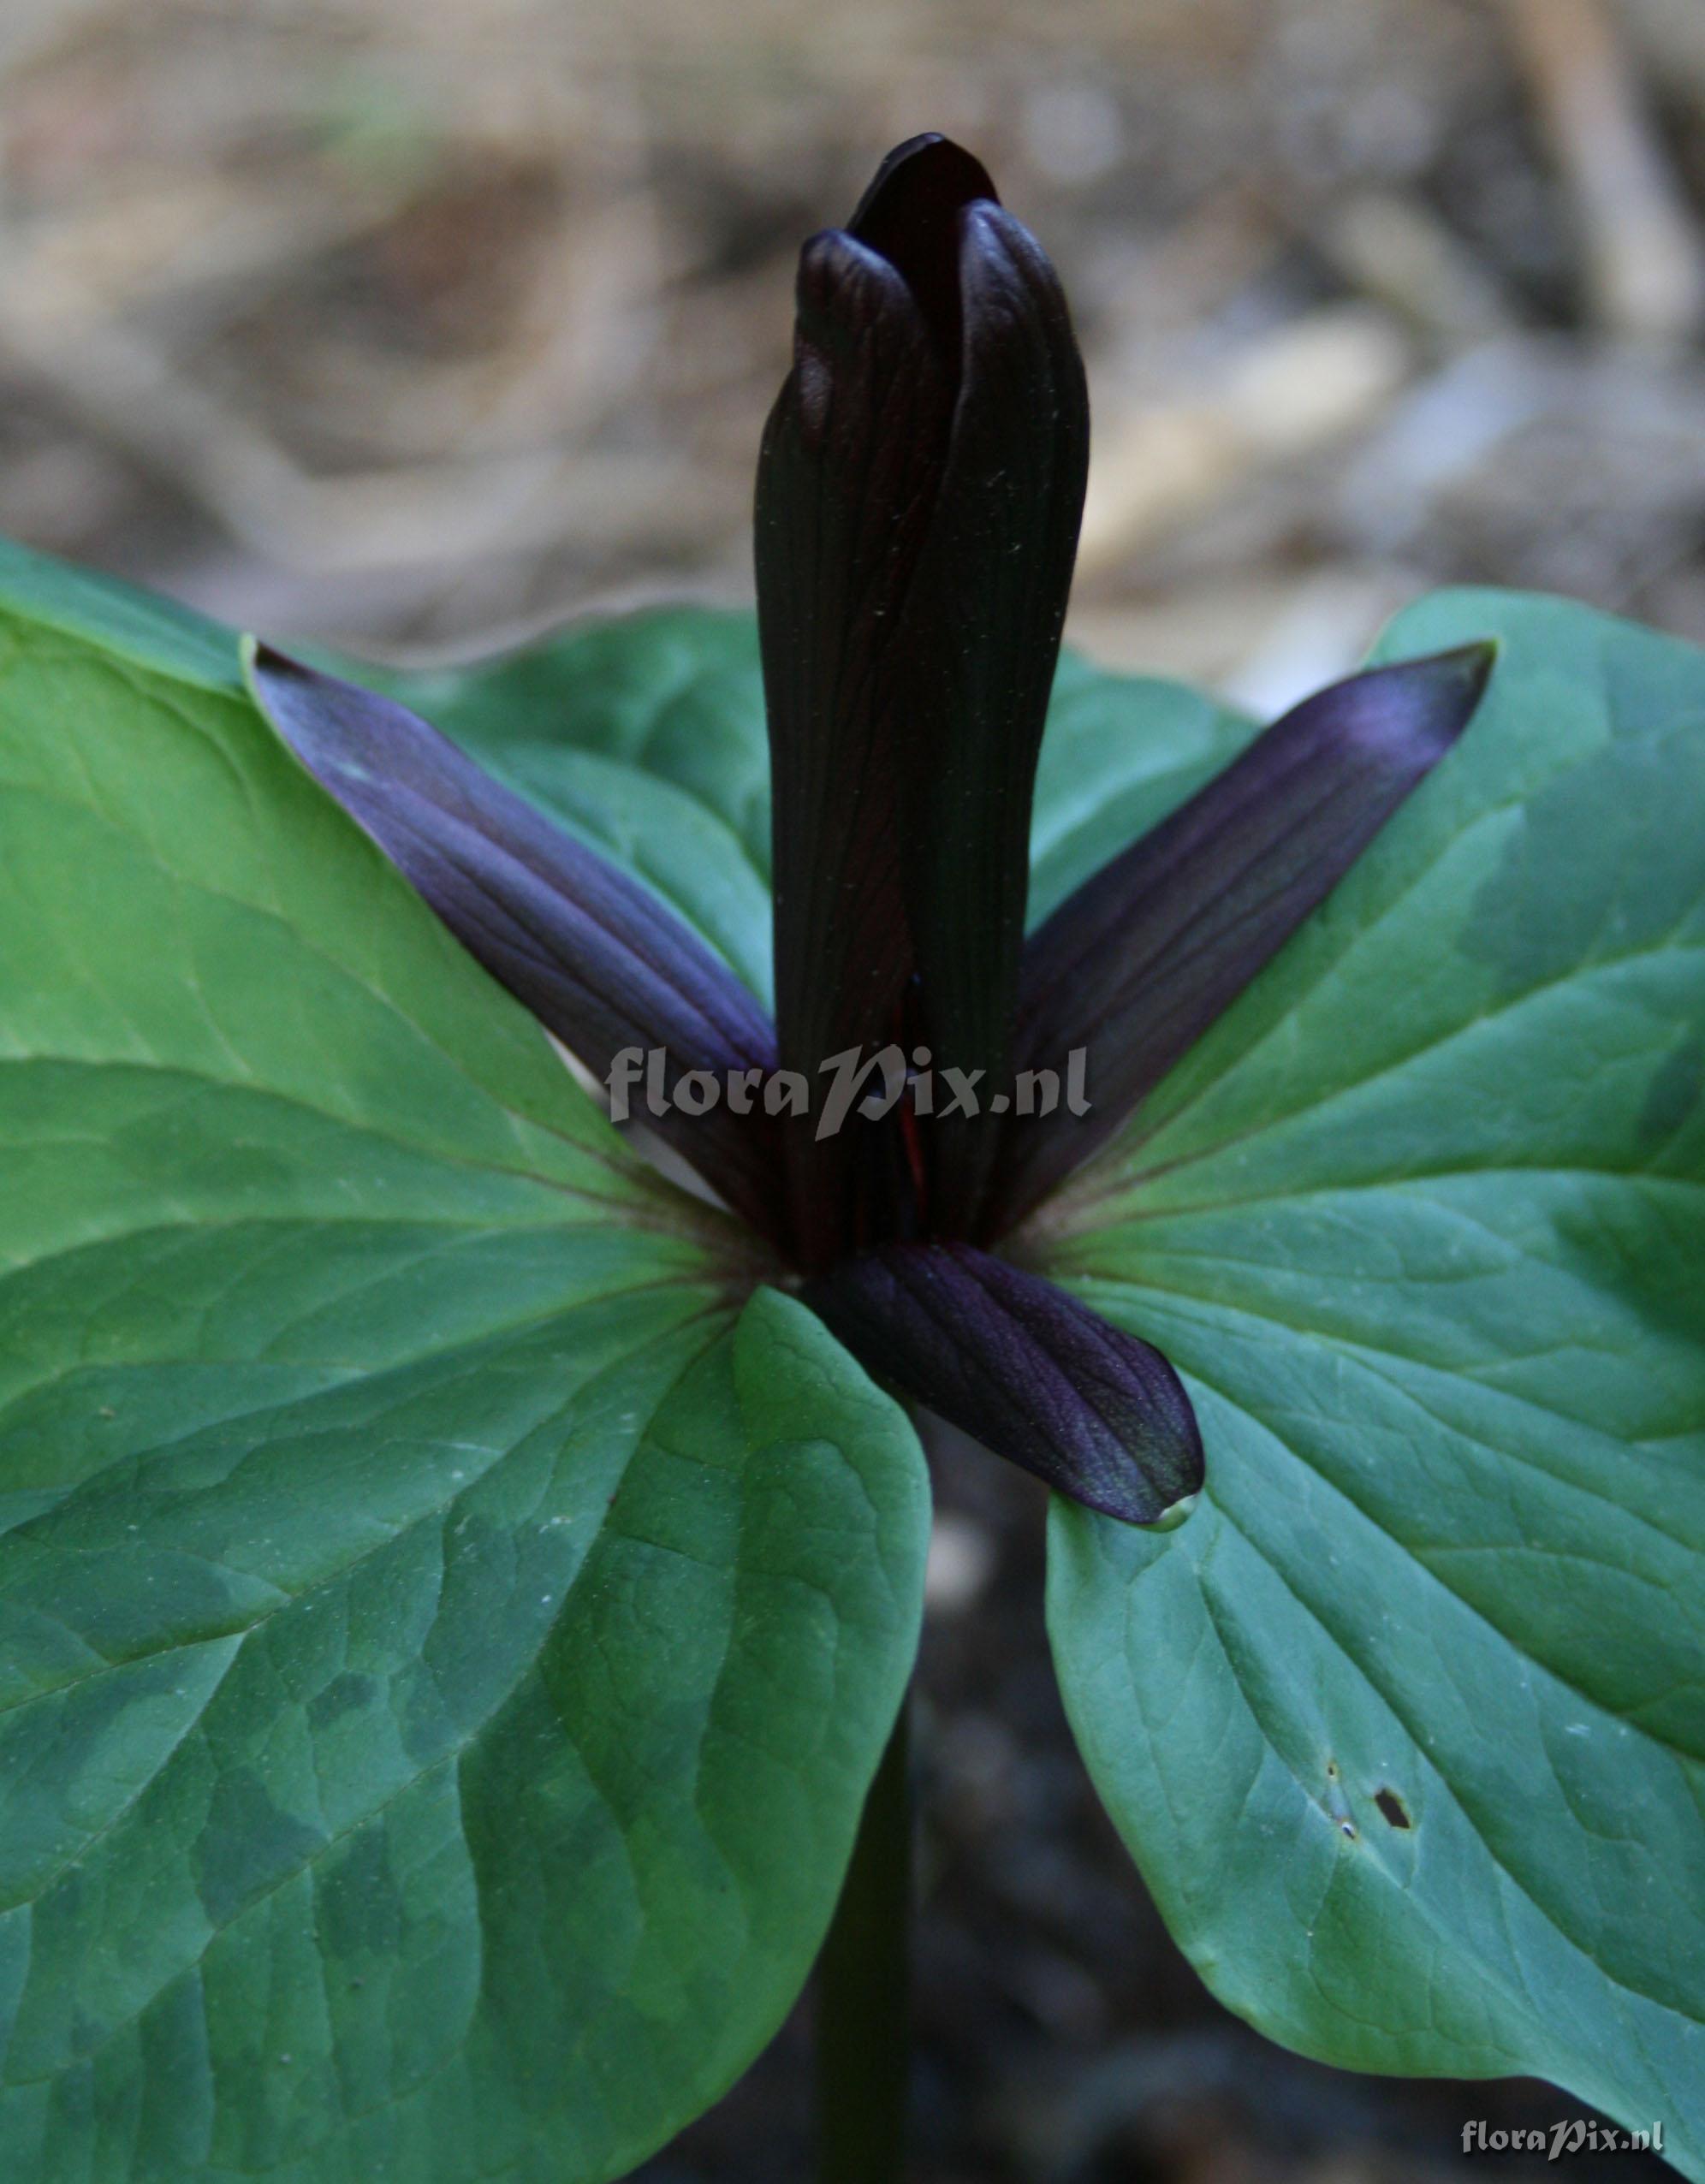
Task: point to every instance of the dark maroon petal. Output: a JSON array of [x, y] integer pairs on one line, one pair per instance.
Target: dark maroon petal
[[597, 959], [1136, 965], [918, 499], [982, 640], [910, 216], [848, 481], [1027, 1370]]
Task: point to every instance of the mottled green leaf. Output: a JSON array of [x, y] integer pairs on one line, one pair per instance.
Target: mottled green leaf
[[300, 1805], [444, 1639], [1406, 1726]]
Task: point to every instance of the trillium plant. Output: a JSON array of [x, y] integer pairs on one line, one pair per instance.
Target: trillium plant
[[499, 1162]]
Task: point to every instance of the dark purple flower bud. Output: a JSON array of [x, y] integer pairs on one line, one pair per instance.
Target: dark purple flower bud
[[1136, 965], [918, 497], [600, 962], [1029, 1371], [919, 493]]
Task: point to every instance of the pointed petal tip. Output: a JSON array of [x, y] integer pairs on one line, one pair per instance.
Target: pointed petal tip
[[260, 657], [260, 660], [1476, 665], [1429, 701], [1468, 668], [912, 214], [929, 176], [599, 961], [310, 710], [274, 680], [1481, 655]]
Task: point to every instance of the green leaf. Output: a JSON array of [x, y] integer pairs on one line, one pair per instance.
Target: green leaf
[[302, 1219], [1406, 1726], [444, 1640]]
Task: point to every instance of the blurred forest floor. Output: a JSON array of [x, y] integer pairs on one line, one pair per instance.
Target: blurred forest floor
[[427, 321], [422, 324]]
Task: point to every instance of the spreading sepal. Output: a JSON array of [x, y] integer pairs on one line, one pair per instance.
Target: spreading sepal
[[1136, 965], [604, 966], [1030, 1372]]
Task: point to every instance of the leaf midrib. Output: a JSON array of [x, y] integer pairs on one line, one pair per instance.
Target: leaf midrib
[[647, 1208]]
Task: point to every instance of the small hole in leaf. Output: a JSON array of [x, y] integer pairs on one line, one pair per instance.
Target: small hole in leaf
[[1393, 1807]]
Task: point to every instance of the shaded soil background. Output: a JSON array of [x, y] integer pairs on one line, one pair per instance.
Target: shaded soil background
[[421, 324]]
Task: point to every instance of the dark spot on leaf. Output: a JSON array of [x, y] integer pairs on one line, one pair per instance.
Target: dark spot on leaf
[[1676, 1087], [1392, 1808], [360, 1906], [340, 1696], [249, 1844]]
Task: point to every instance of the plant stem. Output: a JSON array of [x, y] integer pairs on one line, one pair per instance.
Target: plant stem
[[863, 2028]]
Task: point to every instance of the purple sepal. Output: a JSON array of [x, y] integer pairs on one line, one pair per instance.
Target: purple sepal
[[1030, 1372], [1136, 965], [597, 959]]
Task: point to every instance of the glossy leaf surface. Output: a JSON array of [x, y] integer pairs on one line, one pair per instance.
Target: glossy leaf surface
[[1417, 1220], [446, 1641], [1405, 1727]]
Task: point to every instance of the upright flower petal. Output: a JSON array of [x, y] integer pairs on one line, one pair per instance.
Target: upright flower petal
[[918, 500], [982, 638], [847, 482], [1136, 965], [599, 961], [1029, 1371]]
